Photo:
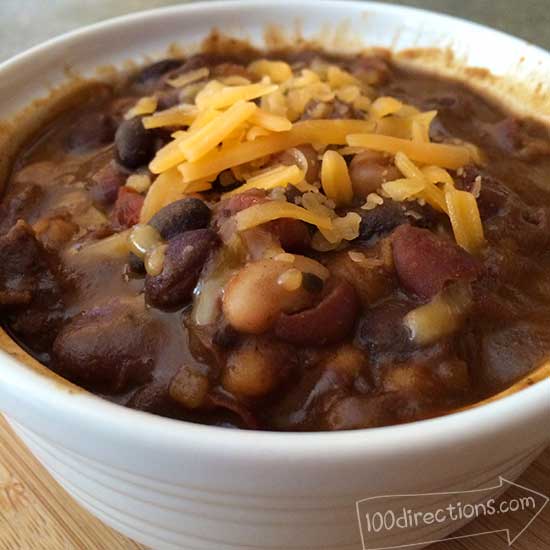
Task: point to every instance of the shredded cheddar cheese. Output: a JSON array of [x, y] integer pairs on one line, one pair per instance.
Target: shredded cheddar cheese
[[145, 106], [280, 176], [227, 131], [335, 178], [273, 210]]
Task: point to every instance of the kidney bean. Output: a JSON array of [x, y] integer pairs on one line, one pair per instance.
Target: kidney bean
[[180, 216], [185, 257], [108, 348], [134, 144], [329, 322], [425, 263]]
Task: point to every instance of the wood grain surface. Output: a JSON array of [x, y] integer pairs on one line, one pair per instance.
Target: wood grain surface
[[37, 514]]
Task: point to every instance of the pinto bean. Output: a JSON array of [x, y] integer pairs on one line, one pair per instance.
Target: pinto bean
[[329, 322], [185, 257], [253, 299], [368, 171], [425, 263], [297, 155], [135, 145], [256, 367], [180, 216]]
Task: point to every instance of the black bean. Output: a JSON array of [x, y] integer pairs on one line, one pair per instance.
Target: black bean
[[90, 131], [180, 216], [312, 283], [135, 264], [185, 257], [156, 70], [380, 220], [134, 144]]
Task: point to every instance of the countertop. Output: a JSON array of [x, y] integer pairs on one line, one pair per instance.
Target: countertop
[[35, 513]]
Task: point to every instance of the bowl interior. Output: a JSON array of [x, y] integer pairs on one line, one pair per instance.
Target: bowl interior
[[517, 70]]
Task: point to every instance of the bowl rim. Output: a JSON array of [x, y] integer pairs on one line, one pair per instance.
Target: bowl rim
[[92, 413]]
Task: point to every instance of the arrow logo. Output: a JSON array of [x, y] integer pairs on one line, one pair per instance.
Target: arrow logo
[[403, 521]]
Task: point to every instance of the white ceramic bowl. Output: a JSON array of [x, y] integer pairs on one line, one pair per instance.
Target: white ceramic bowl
[[175, 485]]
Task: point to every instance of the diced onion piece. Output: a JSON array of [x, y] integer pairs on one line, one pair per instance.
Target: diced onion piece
[[278, 71], [189, 77], [145, 106], [228, 95], [214, 132], [270, 121], [447, 156], [384, 106], [465, 219], [440, 317], [335, 178], [403, 189], [274, 210], [115, 246], [279, 176], [328, 132], [182, 115]]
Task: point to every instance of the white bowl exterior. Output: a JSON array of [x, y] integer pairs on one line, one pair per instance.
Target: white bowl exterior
[[174, 485]]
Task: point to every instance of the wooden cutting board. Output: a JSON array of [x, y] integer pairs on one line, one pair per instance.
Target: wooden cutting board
[[37, 514]]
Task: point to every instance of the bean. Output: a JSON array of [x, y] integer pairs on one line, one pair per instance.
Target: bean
[[329, 322], [253, 298], [180, 216], [185, 257], [368, 171], [256, 367], [134, 144], [108, 348]]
